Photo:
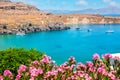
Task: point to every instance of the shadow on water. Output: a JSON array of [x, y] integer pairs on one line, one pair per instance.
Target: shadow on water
[[58, 46]]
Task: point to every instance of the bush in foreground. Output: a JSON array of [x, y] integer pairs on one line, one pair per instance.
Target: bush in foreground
[[12, 58], [45, 69]]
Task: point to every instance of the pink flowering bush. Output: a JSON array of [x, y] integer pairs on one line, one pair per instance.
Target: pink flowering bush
[[46, 69]]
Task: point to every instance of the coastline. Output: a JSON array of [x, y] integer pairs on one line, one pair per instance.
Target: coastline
[[51, 27], [23, 18], [32, 28]]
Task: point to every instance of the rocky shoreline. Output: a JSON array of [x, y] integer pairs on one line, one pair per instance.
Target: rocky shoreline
[[32, 28]]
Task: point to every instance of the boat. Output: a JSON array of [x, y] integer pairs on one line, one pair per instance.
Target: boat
[[77, 28], [20, 33], [110, 30], [89, 30]]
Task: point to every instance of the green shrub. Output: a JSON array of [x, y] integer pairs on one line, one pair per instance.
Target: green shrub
[[12, 58]]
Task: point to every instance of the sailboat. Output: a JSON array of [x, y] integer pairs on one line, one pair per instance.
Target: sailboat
[[110, 30]]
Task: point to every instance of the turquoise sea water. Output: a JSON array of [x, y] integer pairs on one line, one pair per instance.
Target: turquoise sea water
[[62, 44], [114, 15]]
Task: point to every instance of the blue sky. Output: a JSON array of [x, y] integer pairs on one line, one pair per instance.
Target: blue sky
[[71, 4]]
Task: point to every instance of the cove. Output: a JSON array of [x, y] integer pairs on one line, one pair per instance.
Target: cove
[[60, 45]]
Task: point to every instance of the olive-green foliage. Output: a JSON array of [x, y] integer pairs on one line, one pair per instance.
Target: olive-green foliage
[[12, 58]]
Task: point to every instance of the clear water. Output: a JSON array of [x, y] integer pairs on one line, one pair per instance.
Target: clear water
[[114, 15], [62, 44]]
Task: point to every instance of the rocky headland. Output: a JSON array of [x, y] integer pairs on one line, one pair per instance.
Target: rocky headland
[[20, 17]]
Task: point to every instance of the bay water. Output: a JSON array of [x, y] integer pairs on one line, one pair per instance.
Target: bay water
[[60, 45]]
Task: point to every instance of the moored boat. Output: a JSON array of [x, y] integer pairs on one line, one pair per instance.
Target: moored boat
[[109, 31], [20, 33]]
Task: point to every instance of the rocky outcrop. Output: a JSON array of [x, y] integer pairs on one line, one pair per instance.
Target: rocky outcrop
[[28, 28]]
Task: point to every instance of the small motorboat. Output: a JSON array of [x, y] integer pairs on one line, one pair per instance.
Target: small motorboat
[[89, 30], [77, 28], [20, 33], [109, 31]]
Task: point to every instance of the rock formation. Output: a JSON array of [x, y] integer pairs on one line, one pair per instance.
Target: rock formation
[[19, 17]]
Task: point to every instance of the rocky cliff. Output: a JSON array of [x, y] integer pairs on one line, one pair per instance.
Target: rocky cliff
[[19, 17], [7, 5]]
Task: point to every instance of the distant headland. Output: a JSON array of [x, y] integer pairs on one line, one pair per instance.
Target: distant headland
[[20, 17]]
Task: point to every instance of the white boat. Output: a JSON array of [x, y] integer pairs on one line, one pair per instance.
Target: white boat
[[20, 33], [110, 30]]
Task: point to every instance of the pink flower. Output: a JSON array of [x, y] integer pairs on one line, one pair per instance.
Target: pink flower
[[91, 69], [88, 77], [18, 77], [32, 71], [90, 64], [8, 73], [60, 70], [1, 78], [22, 68], [101, 71], [111, 75], [107, 56], [51, 73], [46, 59], [32, 78], [74, 77], [80, 65], [35, 62], [72, 60], [63, 77], [81, 74], [96, 56], [39, 71], [67, 68], [64, 65], [35, 72]]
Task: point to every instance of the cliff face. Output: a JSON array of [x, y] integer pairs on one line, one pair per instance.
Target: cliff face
[[19, 17], [7, 5]]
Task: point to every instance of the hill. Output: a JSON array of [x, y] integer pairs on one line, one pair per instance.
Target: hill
[[18, 17], [107, 10]]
